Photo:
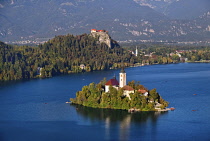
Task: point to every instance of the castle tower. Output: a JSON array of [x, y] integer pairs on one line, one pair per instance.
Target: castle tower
[[122, 78]]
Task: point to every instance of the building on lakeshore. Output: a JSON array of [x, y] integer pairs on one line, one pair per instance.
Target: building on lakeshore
[[82, 66], [136, 52], [39, 69]]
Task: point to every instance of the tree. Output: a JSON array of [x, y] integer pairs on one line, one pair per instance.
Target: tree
[[153, 94]]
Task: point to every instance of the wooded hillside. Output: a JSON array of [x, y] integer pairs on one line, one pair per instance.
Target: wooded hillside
[[60, 55]]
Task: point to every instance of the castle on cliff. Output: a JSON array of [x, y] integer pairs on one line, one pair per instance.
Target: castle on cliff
[[94, 31], [103, 36]]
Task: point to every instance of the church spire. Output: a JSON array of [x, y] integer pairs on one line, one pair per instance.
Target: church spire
[[122, 70], [136, 51], [114, 76]]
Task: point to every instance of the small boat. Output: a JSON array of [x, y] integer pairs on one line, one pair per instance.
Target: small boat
[[172, 108], [68, 102]]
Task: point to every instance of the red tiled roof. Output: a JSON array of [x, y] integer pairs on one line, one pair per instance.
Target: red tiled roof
[[99, 30], [142, 91], [112, 82], [128, 88]]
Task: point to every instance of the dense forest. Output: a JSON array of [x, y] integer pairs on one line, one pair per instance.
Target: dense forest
[[60, 55], [73, 54], [94, 96]]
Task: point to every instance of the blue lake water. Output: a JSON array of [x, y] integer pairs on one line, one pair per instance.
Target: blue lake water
[[35, 110]]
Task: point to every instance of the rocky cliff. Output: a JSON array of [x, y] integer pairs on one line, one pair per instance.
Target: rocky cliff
[[103, 37]]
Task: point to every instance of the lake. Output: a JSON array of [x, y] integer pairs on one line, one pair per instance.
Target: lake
[[36, 109]]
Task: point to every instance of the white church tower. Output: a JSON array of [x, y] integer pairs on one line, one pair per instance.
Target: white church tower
[[122, 78], [136, 51]]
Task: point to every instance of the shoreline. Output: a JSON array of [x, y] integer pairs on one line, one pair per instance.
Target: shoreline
[[203, 61], [135, 65], [133, 110]]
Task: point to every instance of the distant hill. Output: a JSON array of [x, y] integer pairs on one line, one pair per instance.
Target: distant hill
[[158, 5], [187, 9], [124, 19], [178, 9]]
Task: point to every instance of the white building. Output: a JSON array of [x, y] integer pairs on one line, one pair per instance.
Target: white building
[[136, 51], [127, 90]]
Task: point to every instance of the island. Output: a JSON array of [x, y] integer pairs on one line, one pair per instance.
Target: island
[[119, 95]]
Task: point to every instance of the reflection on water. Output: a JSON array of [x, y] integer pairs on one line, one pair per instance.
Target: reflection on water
[[120, 118]]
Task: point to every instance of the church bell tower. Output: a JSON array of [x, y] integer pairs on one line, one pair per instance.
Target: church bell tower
[[122, 78], [136, 51]]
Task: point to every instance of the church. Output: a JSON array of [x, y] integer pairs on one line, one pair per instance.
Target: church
[[127, 90]]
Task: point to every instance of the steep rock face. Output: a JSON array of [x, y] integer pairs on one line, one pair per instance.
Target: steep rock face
[[103, 37]]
